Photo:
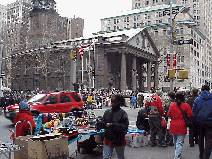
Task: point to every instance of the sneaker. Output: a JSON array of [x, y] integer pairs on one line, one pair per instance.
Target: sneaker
[[191, 145], [162, 145], [153, 144]]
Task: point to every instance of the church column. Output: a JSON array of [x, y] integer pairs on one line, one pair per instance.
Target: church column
[[105, 80], [123, 72], [148, 75], [134, 84], [156, 75]]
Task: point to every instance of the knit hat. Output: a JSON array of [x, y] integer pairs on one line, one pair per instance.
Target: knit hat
[[24, 106]]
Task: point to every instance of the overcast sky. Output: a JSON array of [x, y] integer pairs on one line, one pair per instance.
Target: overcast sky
[[90, 10]]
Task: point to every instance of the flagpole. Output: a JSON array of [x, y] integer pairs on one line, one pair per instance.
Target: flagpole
[[89, 70]]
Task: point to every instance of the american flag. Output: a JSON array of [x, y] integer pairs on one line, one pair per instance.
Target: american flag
[[80, 51], [54, 115]]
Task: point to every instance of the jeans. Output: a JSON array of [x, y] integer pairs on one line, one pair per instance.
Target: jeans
[[108, 150], [205, 132], [178, 145], [133, 105]]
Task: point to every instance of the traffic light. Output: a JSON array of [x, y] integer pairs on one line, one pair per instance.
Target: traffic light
[[93, 73], [171, 73], [73, 55], [183, 74]]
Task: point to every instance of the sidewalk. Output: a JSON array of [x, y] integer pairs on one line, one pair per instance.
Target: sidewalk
[[148, 152]]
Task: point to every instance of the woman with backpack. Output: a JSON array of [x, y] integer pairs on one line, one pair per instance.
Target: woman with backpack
[[177, 125]]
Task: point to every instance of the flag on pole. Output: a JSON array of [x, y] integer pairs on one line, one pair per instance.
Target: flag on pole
[[80, 51]]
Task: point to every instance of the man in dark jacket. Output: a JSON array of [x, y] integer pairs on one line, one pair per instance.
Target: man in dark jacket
[[193, 131], [116, 121], [202, 116]]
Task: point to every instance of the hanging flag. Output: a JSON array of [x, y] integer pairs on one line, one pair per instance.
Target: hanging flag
[[54, 115], [80, 51]]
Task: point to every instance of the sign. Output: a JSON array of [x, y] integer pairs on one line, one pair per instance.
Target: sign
[[181, 42], [167, 11]]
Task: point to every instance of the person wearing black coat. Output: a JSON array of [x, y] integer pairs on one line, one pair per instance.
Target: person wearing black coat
[[142, 122], [115, 122], [193, 131]]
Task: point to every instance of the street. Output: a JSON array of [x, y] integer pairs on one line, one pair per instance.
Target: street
[[146, 152]]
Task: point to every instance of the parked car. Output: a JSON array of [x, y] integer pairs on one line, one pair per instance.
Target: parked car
[[58, 102]]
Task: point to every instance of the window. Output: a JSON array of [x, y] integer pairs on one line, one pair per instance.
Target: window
[[125, 19], [134, 18], [128, 26], [145, 16], [181, 30], [160, 21], [128, 19], [134, 25], [52, 99], [75, 97], [182, 58], [156, 14], [108, 22], [138, 17], [147, 3], [114, 27], [160, 14], [114, 21], [64, 98], [117, 21], [194, 6]]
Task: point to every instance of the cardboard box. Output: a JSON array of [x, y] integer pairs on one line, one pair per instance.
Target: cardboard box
[[22, 142], [41, 149], [64, 146], [44, 149]]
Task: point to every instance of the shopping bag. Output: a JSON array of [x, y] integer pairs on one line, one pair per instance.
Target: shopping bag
[[163, 123]]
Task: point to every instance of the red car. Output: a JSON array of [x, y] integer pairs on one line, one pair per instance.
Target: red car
[[58, 102]]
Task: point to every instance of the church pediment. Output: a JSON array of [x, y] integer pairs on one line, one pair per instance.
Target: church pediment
[[143, 41]]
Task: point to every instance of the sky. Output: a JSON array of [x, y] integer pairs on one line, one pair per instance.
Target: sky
[[90, 10]]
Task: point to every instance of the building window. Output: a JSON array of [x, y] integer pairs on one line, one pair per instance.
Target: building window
[[114, 21], [138, 17], [147, 3], [114, 27], [181, 30], [160, 21], [145, 16], [138, 24], [125, 19], [134, 25], [128, 26], [128, 19], [164, 32], [134, 18], [194, 6], [117, 21], [160, 14]]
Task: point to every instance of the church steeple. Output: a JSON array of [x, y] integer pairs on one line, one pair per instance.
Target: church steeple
[[44, 4]]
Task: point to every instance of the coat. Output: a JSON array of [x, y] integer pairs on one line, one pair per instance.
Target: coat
[[177, 124], [115, 134], [157, 108], [23, 115], [202, 108]]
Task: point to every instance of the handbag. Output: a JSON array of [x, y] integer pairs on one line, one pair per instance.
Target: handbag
[[163, 122], [186, 119]]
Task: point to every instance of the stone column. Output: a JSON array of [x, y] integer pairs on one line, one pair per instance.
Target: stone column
[[148, 75], [156, 76], [105, 80], [134, 84], [123, 72]]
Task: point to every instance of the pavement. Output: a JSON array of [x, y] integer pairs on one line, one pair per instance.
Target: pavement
[[146, 152]]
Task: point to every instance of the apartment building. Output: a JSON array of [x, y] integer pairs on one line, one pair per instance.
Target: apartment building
[[3, 18], [157, 19], [75, 27]]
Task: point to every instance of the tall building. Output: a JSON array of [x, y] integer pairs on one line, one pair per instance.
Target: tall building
[[33, 24], [3, 17], [75, 27], [156, 19]]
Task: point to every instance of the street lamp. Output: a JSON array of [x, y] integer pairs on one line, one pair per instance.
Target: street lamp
[[172, 24]]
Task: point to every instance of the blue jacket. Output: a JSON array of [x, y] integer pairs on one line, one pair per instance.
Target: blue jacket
[[202, 108], [133, 99]]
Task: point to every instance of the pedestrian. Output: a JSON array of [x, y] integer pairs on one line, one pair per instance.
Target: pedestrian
[[140, 100], [154, 110], [169, 137], [142, 122], [133, 101], [23, 114], [177, 125], [89, 102], [193, 131], [116, 121], [202, 116]]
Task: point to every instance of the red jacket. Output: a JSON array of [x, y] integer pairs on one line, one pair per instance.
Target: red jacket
[[23, 115], [177, 124], [155, 101]]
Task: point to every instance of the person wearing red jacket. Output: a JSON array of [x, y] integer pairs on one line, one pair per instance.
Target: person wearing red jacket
[[177, 125], [154, 110], [23, 114]]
